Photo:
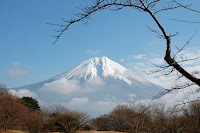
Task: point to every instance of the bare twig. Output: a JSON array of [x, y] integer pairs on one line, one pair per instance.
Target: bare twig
[[184, 21], [186, 7]]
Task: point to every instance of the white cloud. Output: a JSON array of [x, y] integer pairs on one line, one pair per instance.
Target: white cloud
[[178, 97], [122, 60], [62, 86], [189, 54], [132, 96], [93, 107], [138, 57], [93, 84], [158, 78], [164, 81], [75, 101], [157, 61], [16, 71], [23, 92], [94, 52], [104, 106]]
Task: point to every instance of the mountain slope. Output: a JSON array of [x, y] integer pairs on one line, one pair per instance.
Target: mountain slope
[[98, 81]]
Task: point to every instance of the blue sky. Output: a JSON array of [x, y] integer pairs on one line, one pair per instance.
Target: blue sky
[[27, 54]]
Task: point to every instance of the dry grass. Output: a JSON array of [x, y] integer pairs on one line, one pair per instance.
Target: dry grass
[[94, 132], [12, 131], [97, 132], [17, 131]]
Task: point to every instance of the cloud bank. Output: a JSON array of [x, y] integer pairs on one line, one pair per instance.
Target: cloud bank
[[23, 92], [62, 86]]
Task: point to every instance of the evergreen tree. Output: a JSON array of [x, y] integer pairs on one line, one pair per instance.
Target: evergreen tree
[[31, 103]]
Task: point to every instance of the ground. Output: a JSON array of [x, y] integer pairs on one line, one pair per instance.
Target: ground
[[97, 132], [12, 131], [17, 131]]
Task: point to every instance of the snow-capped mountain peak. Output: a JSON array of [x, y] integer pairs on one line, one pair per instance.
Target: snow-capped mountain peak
[[102, 67]]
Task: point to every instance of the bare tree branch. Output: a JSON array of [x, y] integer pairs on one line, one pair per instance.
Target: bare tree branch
[[184, 21], [149, 7], [186, 7], [89, 10]]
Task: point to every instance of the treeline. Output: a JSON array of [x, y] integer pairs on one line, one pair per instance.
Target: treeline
[[151, 118], [25, 114]]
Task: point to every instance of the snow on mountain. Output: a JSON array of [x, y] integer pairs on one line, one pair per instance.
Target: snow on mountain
[[101, 67], [95, 82]]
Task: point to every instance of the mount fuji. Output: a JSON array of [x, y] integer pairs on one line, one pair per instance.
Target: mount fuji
[[96, 85]]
